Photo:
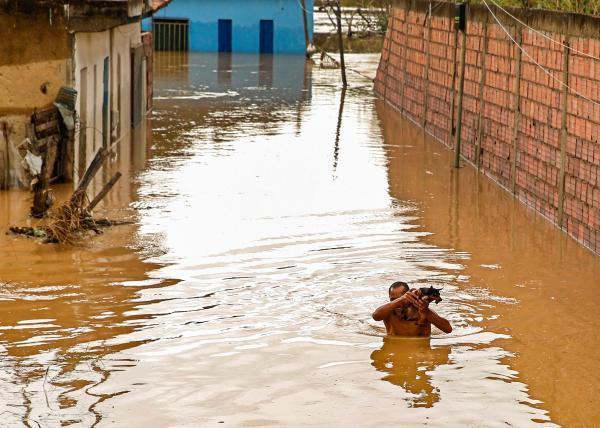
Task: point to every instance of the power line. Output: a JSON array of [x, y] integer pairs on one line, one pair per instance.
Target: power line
[[542, 34], [537, 63], [364, 76], [302, 7]]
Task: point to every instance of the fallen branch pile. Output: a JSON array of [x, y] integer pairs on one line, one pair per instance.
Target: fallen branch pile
[[70, 222]]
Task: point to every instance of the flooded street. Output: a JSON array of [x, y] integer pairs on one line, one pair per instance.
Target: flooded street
[[272, 214]]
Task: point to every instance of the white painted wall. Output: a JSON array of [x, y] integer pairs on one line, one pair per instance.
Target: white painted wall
[[124, 38], [90, 51], [135, 8]]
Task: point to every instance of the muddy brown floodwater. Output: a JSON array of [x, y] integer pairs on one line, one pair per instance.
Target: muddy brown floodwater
[[270, 220]]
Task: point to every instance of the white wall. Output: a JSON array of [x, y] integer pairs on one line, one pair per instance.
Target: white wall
[[124, 38], [90, 51]]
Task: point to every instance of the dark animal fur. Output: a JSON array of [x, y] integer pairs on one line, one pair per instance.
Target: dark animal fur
[[428, 295]]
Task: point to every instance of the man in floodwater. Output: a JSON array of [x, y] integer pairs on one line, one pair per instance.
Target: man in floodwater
[[401, 296]]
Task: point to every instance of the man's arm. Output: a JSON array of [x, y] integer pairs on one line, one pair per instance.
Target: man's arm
[[384, 311], [441, 323]]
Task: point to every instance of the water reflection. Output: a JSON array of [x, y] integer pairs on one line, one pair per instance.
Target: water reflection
[[265, 71], [59, 332], [338, 130], [232, 92], [513, 253], [66, 311], [244, 293], [224, 70], [272, 310], [407, 363]]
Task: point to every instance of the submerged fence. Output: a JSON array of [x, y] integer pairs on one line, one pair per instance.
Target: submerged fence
[[527, 112]]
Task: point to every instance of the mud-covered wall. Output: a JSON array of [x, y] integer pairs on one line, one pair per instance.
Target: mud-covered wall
[[35, 62], [521, 126]]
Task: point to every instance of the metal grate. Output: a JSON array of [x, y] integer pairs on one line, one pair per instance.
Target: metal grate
[[171, 34]]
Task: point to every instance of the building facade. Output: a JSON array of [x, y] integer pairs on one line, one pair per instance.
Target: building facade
[[248, 26], [92, 49]]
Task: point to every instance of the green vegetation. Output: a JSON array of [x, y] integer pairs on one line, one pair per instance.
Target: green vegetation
[[589, 7], [369, 44]]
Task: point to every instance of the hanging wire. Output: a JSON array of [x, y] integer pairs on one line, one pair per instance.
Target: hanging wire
[[542, 34], [430, 10], [549, 73], [112, 145], [364, 76], [302, 7]]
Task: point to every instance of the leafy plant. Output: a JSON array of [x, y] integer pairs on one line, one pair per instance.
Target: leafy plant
[[588, 7]]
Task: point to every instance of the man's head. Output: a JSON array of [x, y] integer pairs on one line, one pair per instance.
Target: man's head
[[397, 289]]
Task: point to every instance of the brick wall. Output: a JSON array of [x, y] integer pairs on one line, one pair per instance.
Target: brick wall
[[513, 110]]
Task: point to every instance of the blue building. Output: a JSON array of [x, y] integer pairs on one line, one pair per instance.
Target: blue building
[[251, 26]]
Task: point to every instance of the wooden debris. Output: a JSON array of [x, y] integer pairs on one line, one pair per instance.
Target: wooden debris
[[42, 195], [69, 223], [66, 223], [328, 62], [85, 181], [104, 191], [104, 222], [51, 235], [70, 218], [46, 136], [35, 232]]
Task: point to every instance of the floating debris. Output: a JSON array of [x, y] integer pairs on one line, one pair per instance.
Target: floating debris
[[72, 220]]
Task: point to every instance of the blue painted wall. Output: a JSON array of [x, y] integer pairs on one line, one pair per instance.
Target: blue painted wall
[[246, 16]]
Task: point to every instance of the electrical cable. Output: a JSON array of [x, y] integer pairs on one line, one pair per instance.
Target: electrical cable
[[112, 145], [364, 76], [302, 7], [537, 63], [430, 11]]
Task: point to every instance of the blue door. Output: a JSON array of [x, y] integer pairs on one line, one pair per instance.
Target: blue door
[[225, 35], [266, 36]]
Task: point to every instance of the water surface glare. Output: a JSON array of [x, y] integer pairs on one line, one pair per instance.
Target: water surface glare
[[272, 214]]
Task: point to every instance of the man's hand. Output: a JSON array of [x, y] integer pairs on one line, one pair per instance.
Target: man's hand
[[409, 298], [414, 298], [432, 317], [421, 305]]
